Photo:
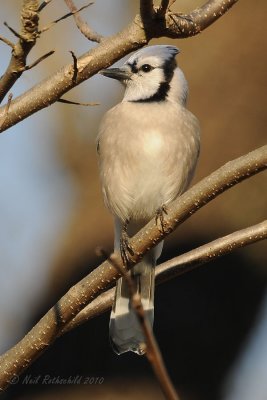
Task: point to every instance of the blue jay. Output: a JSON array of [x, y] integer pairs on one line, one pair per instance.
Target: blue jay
[[148, 146]]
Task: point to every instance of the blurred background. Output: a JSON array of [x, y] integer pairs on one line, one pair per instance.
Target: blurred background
[[211, 324]]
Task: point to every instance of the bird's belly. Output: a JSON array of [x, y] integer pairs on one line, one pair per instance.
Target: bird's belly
[[142, 181], [145, 165], [148, 198]]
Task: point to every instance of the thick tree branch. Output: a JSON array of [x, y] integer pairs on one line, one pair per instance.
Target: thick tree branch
[[110, 50], [16, 360], [83, 27], [178, 266], [20, 51]]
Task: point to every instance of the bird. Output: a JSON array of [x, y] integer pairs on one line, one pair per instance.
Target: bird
[[148, 146]]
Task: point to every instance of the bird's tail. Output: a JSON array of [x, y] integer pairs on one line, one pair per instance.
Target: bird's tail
[[125, 331]]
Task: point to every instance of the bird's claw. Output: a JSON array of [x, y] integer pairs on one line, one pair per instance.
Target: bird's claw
[[160, 218], [126, 249]]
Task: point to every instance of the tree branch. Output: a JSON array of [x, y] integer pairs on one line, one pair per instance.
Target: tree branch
[[185, 25], [65, 101], [111, 50], [43, 5], [40, 59], [7, 42], [20, 51], [17, 359], [178, 266], [46, 28], [53, 88], [83, 27], [147, 10]]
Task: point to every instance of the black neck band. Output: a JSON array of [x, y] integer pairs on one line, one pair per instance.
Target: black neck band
[[160, 95]]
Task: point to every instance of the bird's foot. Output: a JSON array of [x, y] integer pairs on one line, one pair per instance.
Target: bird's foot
[[160, 218], [125, 247]]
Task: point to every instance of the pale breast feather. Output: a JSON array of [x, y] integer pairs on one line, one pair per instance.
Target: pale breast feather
[[148, 156]]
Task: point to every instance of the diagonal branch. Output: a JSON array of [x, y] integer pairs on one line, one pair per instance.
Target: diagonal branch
[[15, 33], [27, 39], [211, 251], [178, 266], [111, 50], [46, 28], [40, 59], [7, 42], [65, 101], [83, 27], [17, 359]]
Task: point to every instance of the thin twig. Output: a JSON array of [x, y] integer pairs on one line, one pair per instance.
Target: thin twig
[[15, 33], [47, 27], [43, 5], [152, 352], [77, 103], [8, 42], [178, 266], [171, 2], [39, 60], [84, 28], [44, 333]]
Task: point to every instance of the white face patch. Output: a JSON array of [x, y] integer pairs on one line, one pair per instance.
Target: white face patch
[[144, 85]]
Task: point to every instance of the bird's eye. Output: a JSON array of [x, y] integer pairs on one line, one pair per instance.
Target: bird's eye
[[146, 68]]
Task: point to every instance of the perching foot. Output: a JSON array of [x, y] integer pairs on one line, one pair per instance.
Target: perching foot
[[125, 247], [160, 218]]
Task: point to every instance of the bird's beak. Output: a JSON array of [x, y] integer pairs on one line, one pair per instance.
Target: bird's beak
[[121, 74]]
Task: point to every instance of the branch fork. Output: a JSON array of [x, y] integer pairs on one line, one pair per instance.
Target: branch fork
[[143, 28]]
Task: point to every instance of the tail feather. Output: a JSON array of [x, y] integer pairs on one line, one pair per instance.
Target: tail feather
[[125, 331]]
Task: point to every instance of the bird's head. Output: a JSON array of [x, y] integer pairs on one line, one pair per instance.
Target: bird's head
[[151, 74]]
